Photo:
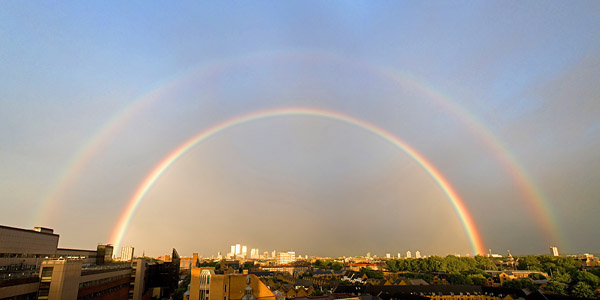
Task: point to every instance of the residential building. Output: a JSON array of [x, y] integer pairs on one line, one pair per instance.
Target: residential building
[[205, 285]]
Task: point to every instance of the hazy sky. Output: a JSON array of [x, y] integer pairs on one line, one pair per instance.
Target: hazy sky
[[527, 72]]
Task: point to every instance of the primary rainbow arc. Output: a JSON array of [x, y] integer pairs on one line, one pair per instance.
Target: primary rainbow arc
[[458, 205]]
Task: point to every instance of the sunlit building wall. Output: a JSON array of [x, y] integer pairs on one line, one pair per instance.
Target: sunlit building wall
[[205, 285], [126, 253]]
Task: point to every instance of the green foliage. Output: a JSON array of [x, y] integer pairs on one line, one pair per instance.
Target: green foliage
[[555, 287], [548, 264], [485, 263], [392, 265], [371, 273], [328, 264], [336, 266], [562, 278], [530, 262], [590, 279], [456, 278], [582, 289], [248, 265], [478, 279], [450, 264], [595, 271], [318, 263]]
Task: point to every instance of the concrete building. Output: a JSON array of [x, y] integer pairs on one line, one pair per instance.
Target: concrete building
[[32, 267], [285, 258], [189, 262], [408, 254], [418, 254], [554, 251], [126, 253], [67, 279], [23, 250], [104, 254], [205, 285]]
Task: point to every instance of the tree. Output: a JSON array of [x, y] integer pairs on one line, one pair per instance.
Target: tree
[[478, 279], [456, 278], [582, 289], [485, 263], [318, 263], [529, 262], [336, 266], [587, 277], [562, 278], [392, 265], [555, 287]]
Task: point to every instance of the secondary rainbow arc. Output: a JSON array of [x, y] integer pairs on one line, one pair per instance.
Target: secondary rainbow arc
[[458, 205]]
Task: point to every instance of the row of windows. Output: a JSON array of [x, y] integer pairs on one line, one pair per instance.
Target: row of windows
[[103, 292], [28, 255], [102, 281], [18, 267]]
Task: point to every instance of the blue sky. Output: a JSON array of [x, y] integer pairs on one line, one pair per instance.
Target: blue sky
[[528, 71]]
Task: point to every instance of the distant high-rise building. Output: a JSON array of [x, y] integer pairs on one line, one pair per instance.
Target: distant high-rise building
[[244, 250], [554, 251], [237, 249], [273, 254], [418, 254], [388, 256], [408, 254], [266, 254], [284, 258], [254, 253], [368, 254], [126, 253], [399, 255]]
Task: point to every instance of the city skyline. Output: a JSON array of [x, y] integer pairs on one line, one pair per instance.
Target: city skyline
[[329, 129]]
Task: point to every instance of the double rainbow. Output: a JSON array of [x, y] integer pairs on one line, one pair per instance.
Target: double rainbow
[[67, 177]]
